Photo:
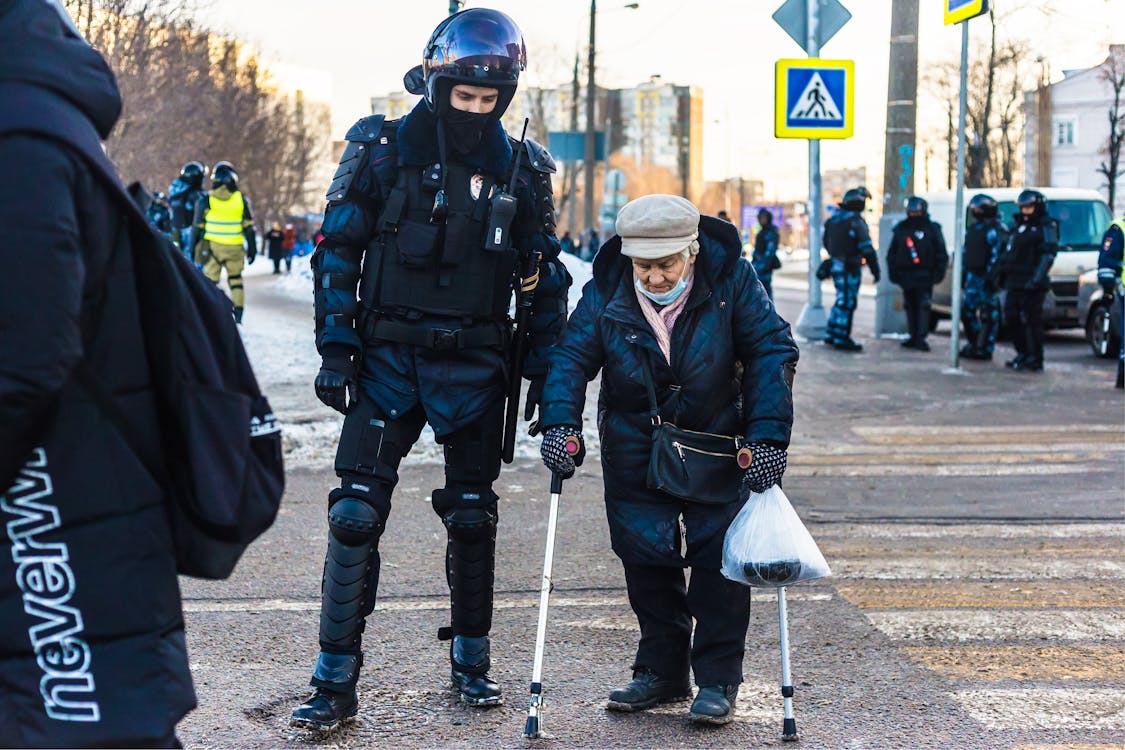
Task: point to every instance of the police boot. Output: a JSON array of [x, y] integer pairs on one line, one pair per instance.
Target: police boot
[[470, 660], [848, 345], [714, 704], [325, 710], [238, 314], [1015, 362], [1120, 375]]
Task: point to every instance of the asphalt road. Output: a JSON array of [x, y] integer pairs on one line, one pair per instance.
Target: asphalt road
[[973, 523]]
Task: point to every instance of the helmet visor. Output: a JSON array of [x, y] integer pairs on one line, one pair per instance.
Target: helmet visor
[[485, 48]]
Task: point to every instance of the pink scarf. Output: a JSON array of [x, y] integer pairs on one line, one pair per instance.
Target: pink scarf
[[663, 319]]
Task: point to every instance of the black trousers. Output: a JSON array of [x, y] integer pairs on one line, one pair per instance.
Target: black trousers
[[1023, 312], [916, 302], [665, 606]]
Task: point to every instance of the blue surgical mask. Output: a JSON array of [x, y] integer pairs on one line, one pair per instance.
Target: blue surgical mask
[[668, 297]]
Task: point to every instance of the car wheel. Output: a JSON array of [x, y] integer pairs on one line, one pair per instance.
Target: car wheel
[[1097, 331]]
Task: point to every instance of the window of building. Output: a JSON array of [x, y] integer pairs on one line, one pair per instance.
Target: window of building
[[1066, 131]]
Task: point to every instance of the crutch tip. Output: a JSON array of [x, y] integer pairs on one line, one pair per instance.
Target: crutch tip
[[789, 730], [531, 729]]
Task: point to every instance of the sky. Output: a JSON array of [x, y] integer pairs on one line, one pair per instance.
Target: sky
[[359, 48]]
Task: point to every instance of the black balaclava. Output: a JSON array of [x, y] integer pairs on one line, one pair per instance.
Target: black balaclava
[[464, 130]]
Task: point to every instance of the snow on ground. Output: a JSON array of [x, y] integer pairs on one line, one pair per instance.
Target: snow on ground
[[278, 332]]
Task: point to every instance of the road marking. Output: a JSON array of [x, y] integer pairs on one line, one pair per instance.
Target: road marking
[[947, 433], [935, 459], [807, 452], [959, 625], [955, 470], [956, 567], [1100, 663], [972, 531], [1046, 708], [917, 594]]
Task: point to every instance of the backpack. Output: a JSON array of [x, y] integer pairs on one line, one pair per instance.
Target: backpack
[[220, 463]]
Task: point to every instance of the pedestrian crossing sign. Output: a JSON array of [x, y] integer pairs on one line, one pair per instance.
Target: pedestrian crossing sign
[[814, 98], [957, 11]]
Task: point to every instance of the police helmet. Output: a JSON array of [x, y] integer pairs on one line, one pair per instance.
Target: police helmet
[[983, 206], [1032, 198], [916, 205], [476, 47], [223, 175], [855, 199], [193, 173]]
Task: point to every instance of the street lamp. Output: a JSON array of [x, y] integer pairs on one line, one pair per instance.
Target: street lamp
[[589, 158]]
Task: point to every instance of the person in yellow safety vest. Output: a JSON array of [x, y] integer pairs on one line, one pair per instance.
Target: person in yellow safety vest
[[222, 222], [1111, 275]]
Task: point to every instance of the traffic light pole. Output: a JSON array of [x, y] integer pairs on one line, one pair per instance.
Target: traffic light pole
[[959, 210], [813, 321]]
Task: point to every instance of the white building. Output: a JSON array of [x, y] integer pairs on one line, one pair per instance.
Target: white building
[[1068, 131]]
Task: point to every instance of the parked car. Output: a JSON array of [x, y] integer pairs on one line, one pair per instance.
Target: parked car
[[1083, 217], [1101, 317]]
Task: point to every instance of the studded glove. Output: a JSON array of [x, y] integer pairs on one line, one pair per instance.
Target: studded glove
[[767, 467], [554, 451]]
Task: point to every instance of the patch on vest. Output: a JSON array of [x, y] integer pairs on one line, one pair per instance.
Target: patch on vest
[[476, 184]]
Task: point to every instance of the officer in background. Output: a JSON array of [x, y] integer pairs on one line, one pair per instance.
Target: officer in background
[[1111, 275], [985, 240], [916, 261], [158, 214], [185, 193], [765, 259], [223, 221], [422, 206], [1025, 265], [849, 246]]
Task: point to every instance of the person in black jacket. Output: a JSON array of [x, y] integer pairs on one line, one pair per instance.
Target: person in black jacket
[[672, 296], [985, 239], [92, 650], [916, 260], [849, 246], [765, 259], [421, 222], [274, 238], [1025, 266]]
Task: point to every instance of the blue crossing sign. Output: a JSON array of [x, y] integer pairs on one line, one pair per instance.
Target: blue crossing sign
[[957, 11], [814, 98]]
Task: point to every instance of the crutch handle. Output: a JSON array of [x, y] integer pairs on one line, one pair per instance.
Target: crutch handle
[[572, 444], [556, 483]]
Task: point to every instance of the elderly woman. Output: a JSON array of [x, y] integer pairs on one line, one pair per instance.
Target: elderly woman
[[673, 304]]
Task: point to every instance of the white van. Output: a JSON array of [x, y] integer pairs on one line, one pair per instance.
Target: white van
[[1083, 218]]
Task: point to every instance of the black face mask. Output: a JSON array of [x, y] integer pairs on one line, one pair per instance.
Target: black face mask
[[464, 129]]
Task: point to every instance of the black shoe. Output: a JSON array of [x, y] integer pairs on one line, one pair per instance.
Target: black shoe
[[470, 661], [1029, 364], [1015, 361], [971, 352], [921, 345], [646, 690], [909, 344], [325, 710], [848, 345], [477, 689], [714, 705], [238, 315]]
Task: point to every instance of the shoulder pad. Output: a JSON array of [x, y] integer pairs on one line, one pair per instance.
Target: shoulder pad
[[366, 130], [539, 158]]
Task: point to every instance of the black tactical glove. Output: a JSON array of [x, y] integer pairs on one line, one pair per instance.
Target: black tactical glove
[[334, 386], [767, 467], [873, 265], [824, 270], [251, 254], [251, 245], [534, 396], [556, 450], [1109, 287]]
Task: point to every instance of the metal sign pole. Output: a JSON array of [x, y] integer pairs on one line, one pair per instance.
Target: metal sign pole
[[959, 208], [813, 321]]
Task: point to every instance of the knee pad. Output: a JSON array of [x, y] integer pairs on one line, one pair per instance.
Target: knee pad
[[468, 514], [353, 521]]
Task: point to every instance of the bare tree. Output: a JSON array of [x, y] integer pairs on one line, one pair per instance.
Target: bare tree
[[1113, 73]]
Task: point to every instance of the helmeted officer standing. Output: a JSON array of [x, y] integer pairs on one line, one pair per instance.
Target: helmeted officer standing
[[849, 246], [764, 259], [985, 240], [1111, 275], [425, 217], [1025, 266], [916, 260], [158, 214], [222, 221], [185, 193]]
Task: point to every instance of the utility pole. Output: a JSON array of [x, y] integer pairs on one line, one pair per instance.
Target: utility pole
[[589, 160], [899, 157], [959, 208], [813, 320]]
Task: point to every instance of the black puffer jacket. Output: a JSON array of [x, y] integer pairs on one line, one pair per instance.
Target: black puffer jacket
[[92, 645]]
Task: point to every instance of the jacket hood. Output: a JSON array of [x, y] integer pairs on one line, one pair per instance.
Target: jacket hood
[[417, 144], [37, 48], [720, 248]]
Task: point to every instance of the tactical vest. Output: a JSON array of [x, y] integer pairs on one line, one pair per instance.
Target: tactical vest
[[418, 263], [978, 253], [918, 252], [840, 237], [223, 223]]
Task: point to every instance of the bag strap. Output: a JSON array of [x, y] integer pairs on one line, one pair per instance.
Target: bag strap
[[653, 407]]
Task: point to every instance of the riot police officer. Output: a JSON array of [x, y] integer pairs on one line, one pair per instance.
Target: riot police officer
[[426, 217], [849, 246], [222, 222], [158, 213], [1025, 265], [985, 239], [764, 259], [916, 260], [185, 193], [1111, 275]]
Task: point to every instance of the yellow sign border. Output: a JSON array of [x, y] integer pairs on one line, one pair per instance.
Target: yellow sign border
[[781, 99], [970, 10]]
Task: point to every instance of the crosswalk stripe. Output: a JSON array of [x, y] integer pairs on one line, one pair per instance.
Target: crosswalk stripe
[[1017, 430], [809, 452], [960, 625], [974, 568], [926, 459], [1023, 662], [916, 594], [955, 470], [991, 531], [1046, 708]]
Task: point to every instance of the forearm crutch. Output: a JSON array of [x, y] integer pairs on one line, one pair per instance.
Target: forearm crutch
[[789, 723]]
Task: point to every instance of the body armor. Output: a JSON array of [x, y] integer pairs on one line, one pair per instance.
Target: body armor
[[979, 241], [842, 239]]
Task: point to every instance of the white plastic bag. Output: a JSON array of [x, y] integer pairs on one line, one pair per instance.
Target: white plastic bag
[[767, 545]]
